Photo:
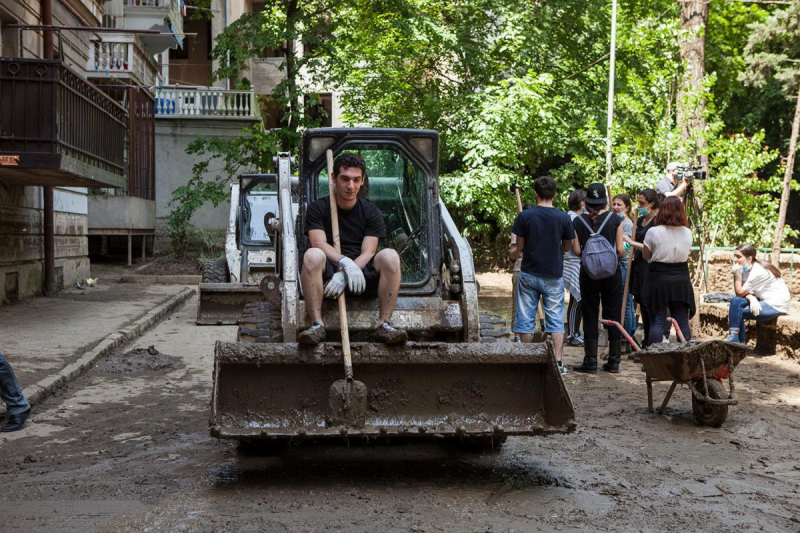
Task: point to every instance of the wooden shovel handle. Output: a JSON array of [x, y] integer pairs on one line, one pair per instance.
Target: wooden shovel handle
[[348, 361]]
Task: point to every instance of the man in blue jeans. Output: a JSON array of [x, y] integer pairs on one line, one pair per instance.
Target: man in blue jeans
[[11, 393], [543, 233]]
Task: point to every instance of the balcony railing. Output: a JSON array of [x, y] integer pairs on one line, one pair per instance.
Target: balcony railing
[[179, 103], [159, 8], [57, 127], [120, 55]]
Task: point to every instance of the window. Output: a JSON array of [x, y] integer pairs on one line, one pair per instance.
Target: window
[[319, 108], [273, 115], [396, 185]]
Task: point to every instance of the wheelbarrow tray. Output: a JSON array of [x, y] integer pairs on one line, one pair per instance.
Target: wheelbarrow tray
[[682, 361]]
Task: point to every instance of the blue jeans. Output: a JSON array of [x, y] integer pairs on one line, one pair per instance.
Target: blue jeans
[[10, 391], [630, 318], [529, 289], [739, 309]]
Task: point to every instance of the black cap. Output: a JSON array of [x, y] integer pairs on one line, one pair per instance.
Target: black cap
[[596, 194]]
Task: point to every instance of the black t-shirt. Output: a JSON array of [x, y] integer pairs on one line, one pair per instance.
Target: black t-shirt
[[609, 230], [641, 231], [363, 220], [543, 229]]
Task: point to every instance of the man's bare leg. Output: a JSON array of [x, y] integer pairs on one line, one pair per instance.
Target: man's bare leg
[[558, 344], [311, 279], [525, 338], [387, 264]]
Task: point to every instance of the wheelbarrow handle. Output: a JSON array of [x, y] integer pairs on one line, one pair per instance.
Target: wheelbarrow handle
[[678, 331], [624, 333]]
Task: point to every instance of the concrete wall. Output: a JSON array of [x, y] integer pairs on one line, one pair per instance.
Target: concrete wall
[[121, 212], [22, 243], [174, 165]]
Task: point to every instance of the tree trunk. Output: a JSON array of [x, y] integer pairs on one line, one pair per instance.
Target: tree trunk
[[291, 68], [690, 108], [787, 183]]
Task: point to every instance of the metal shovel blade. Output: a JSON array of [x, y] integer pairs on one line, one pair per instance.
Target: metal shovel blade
[[348, 401]]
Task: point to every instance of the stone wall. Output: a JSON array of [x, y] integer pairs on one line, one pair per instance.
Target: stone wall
[[22, 241]]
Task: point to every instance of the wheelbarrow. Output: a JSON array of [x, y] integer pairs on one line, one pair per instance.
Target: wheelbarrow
[[702, 365]]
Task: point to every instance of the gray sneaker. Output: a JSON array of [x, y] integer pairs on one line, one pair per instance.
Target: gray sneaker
[[561, 368], [313, 335], [390, 335]]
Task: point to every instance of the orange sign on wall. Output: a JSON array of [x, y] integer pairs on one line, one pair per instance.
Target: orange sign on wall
[[9, 160]]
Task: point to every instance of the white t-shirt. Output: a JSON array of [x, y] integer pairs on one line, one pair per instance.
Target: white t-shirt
[[765, 286], [669, 244]]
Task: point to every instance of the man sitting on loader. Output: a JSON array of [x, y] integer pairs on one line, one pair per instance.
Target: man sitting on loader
[[358, 269]]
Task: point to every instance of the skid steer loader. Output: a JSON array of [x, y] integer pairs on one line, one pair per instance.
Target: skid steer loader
[[228, 284], [458, 377]]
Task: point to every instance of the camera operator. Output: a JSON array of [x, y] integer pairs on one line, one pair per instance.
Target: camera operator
[[670, 185]]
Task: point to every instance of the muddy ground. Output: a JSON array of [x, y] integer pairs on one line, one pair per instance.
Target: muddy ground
[[125, 448]]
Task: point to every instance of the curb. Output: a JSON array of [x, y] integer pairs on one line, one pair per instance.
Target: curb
[[175, 279], [49, 385]]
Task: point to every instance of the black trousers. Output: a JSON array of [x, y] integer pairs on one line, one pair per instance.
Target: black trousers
[[680, 312], [593, 292], [574, 315]]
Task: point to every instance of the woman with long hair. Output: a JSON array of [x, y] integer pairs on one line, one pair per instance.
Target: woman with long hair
[[621, 205], [599, 220], [572, 272], [649, 201], [669, 287], [762, 296]]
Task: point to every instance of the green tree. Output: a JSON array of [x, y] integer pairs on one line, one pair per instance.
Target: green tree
[[774, 50]]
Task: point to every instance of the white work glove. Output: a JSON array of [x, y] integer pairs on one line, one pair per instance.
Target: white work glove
[[355, 277], [755, 306], [335, 286]]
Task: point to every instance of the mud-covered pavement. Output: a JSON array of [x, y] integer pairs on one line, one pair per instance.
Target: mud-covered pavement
[[126, 448]]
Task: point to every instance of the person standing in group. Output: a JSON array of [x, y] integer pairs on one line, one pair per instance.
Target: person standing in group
[[572, 272], [598, 221], [543, 233], [17, 406], [761, 293], [621, 205], [649, 202], [515, 279], [669, 287]]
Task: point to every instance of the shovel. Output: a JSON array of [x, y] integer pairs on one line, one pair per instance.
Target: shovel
[[347, 397]]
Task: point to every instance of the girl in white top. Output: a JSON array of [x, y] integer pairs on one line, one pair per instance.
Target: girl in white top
[[669, 287], [761, 293]]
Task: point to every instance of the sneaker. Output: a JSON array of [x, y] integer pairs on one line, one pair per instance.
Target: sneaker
[[517, 340], [574, 340], [733, 337], [561, 368], [390, 335], [313, 335]]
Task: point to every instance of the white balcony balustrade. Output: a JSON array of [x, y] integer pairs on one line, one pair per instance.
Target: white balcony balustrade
[[181, 103], [122, 56]]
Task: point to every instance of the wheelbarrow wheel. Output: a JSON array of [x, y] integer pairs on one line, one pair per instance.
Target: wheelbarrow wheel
[[706, 413]]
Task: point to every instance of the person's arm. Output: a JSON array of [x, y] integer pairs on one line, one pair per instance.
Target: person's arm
[[369, 246], [620, 241], [576, 246], [567, 235], [649, 244], [738, 285], [679, 190], [319, 240], [516, 249], [646, 253]]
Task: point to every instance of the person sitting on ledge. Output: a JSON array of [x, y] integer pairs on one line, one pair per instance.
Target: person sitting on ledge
[[761, 294]]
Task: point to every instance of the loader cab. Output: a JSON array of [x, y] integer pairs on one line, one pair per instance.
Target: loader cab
[[401, 182]]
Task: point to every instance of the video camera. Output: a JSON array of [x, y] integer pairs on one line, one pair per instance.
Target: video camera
[[694, 172]]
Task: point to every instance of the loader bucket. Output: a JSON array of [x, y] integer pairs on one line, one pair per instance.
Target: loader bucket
[[223, 303], [425, 389]]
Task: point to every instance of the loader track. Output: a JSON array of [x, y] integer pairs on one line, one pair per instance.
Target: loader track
[[215, 271], [260, 323]]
